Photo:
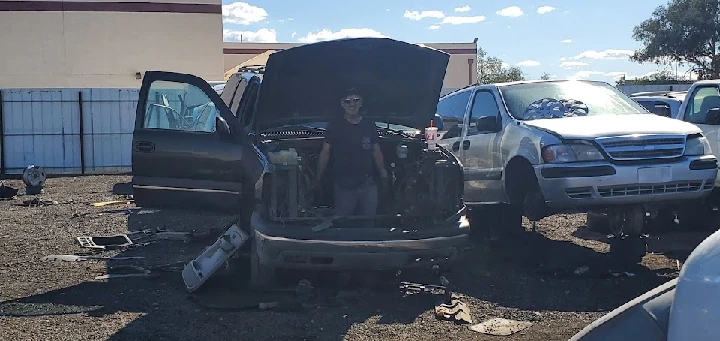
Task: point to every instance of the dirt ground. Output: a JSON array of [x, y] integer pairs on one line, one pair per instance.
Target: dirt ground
[[528, 279]]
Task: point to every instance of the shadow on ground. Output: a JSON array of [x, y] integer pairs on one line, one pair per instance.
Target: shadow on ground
[[527, 273]]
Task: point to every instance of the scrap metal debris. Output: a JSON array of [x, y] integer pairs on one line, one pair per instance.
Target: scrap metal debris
[[113, 202], [455, 310], [500, 327], [34, 178], [137, 238], [7, 192], [38, 202], [196, 272], [80, 258], [139, 271]]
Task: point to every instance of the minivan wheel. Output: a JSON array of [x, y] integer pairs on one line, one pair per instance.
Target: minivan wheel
[[261, 276]]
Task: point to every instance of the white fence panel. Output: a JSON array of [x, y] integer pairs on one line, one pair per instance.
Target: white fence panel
[[108, 126], [41, 127]]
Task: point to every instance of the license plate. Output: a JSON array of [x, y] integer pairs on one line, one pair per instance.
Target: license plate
[[650, 175]]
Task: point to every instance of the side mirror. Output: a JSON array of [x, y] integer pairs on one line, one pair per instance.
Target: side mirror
[[438, 122], [486, 124], [222, 128], [713, 116], [662, 110]]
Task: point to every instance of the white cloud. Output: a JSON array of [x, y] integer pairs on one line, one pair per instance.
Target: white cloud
[[465, 8], [570, 65], [419, 15], [327, 34], [243, 13], [607, 54], [505, 65], [293, 35], [566, 41], [585, 74], [434, 27], [463, 20], [387, 10], [512, 11], [528, 63], [562, 59], [262, 35], [545, 9]]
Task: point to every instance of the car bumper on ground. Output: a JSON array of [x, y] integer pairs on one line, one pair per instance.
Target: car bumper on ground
[[387, 254], [594, 184]]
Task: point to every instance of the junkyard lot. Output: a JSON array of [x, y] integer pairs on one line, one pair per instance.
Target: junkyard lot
[[509, 280]]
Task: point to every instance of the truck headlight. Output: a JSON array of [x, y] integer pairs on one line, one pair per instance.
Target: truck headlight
[[575, 152], [695, 146]]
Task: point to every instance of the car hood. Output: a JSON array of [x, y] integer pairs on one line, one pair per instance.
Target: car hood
[[613, 125], [400, 82]]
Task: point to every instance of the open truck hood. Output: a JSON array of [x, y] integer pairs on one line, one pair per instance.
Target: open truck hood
[[400, 82], [613, 125]]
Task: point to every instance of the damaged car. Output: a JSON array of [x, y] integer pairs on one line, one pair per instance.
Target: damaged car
[[538, 148], [252, 148]]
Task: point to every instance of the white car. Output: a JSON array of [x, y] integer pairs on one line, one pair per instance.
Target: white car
[[537, 148]]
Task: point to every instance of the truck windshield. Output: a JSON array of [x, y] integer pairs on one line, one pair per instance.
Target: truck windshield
[[529, 101]]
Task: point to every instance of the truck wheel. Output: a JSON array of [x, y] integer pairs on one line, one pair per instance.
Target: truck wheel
[[598, 222], [261, 276]]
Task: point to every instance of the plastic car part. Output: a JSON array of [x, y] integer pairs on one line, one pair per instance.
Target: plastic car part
[[196, 272], [103, 242]]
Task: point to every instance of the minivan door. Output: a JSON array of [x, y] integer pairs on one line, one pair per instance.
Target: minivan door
[[189, 151]]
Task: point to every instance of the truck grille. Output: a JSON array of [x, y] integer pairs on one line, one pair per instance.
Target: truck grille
[[643, 147], [628, 190]]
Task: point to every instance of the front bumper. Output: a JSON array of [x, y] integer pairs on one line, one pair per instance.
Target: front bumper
[[602, 183], [405, 250]]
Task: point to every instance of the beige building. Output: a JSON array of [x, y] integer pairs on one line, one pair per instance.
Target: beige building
[[103, 44], [461, 70]]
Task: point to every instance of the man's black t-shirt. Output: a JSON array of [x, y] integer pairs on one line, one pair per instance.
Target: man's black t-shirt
[[351, 150]]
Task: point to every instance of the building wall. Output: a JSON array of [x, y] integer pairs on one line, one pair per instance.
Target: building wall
[[102, 44], [461, 70]]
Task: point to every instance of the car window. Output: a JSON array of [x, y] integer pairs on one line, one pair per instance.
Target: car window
[[703, 98], [484, 104], [657, 107], [452, 111], [179, 106]]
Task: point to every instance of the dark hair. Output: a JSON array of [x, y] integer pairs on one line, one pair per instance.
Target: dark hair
[[350, 91]]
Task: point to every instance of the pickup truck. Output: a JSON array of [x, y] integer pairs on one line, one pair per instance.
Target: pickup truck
[[537, 148], [701, 107], [664, 104]]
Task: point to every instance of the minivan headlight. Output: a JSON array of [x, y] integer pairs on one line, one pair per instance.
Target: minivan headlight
[[696, 146], [576, 152]]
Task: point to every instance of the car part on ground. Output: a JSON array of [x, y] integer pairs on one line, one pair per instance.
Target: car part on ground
[[34, 178], [198, 271]]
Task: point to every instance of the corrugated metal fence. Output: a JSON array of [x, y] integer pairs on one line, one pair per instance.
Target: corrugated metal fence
[[67, 131]]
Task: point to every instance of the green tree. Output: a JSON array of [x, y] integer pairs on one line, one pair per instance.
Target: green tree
[[545, 76], [491, 70], [683, 31]]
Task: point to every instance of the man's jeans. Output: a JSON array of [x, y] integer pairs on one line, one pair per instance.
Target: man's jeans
[[362, 200]]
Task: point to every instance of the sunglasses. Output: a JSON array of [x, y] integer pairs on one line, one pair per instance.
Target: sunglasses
[[351, 100]]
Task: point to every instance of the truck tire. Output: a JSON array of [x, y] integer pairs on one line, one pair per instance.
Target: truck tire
[[261, 276]]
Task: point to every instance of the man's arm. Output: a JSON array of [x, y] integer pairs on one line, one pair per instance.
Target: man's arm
[[323, 160], [379, 160]]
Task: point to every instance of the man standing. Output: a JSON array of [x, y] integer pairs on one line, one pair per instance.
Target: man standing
[[352, 143]]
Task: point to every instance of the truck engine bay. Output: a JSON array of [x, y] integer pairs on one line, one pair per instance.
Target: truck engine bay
[[423, 187]]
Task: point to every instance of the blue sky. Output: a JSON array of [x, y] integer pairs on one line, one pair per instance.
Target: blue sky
[[587, 39]]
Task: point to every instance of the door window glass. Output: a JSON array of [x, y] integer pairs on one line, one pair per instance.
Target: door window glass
[[179, 106], [483, 105], [452, 110], [704, 99]]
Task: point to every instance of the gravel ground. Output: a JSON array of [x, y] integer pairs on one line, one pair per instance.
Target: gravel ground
[[529, 279]]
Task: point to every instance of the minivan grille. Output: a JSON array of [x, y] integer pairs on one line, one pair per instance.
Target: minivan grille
[[643, 147], [627, 190]]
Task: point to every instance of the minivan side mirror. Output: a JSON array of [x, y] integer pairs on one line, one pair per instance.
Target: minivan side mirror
[[486, 124], [222, 128], [713, 116]]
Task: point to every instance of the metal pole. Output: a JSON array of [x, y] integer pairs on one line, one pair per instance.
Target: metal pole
[[82, 134]]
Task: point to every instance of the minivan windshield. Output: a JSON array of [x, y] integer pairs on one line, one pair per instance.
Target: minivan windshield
[[530, 101]]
